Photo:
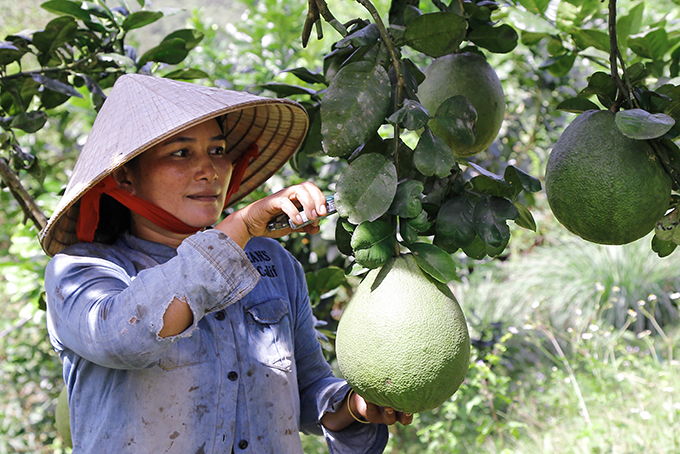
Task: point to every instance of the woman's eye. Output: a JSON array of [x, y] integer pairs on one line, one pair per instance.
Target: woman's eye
[[181, 153], [218, 151]]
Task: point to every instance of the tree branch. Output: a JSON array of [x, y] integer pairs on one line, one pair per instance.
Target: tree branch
[[27, 203]]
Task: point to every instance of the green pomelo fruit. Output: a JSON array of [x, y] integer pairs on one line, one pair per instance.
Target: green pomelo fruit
[[61, 417], [403, 341], [469, 75], [603, 186]]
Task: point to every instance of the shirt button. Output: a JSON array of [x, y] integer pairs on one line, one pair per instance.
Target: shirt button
[[243, 444], [232, 376], [220, 315]]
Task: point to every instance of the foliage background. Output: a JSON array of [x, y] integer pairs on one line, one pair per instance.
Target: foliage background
[[574, 344]]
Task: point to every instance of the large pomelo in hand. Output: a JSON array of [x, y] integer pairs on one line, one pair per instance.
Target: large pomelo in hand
[[403, 340], [470, 75], [603, 186]]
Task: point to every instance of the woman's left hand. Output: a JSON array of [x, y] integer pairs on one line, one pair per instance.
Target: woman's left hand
[[377, 414]]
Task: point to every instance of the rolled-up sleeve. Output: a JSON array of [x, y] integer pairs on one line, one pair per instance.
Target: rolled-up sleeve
[[114, 315]]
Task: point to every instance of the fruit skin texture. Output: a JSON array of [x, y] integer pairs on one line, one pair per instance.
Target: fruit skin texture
[[466, 74], [405, 343], [603, 186]]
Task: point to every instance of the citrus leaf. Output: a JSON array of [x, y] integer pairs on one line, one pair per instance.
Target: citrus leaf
[[9, 53], [323, 281], [491, 186], [458, 116], [559, 65], [56, 85], [535, 6], [489, 218], [455, 227], [284, 90], [436, 34], [525, 219], [373, 243], [602, 85], [434, 261], [354, 106], [663, 248], [171, 51], [419, 223], [62, 7], [432, 155], [500, 40], [187, 74], [412, 115], [140, 19], [477, 249], [192, 37], [306, 75], [584, 38], [29, 122], [366, 189], [343, 237], [519, 179], [57, 32], [406, 203], [365, 36], [642, 125], [577, 105]]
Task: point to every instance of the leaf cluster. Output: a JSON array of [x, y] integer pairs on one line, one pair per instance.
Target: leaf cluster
[[392, 196], [79, 53]]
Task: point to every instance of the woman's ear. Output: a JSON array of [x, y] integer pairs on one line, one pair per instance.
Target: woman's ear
[[123, 178]]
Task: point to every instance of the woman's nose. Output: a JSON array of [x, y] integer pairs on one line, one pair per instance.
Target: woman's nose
[[206, 168]]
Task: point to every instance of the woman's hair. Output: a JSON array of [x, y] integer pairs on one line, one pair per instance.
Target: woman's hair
[[114, 220]]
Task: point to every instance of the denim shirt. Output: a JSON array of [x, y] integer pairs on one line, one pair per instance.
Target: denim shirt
[[246, 377]]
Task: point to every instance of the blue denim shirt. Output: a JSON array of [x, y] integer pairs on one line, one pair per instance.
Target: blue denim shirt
[[246, 377]]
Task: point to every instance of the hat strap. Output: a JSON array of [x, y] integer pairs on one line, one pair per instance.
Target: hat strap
[[240, 169], [88, 218]]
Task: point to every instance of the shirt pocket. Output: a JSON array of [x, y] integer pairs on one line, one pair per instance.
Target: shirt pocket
[[187, 351], [270, 329]]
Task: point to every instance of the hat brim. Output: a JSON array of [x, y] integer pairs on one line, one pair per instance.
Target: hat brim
[[278, 125]]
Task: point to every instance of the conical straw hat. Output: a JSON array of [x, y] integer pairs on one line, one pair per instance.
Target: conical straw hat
[[142, 111]]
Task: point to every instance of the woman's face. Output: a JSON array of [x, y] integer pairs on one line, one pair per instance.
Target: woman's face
[[186, 175]]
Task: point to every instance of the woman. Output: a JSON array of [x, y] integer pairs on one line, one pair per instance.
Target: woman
[[179, 333]]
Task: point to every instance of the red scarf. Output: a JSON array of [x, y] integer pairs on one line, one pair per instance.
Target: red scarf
[[88, 218]]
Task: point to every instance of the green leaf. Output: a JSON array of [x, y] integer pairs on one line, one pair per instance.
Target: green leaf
[[343, 237], [458, 117], [476, 249], [29, 122], [520, 179], [354, 107], [172, 52], [412, 115], [432, 155], [56, 85], [434, 261], [419, 223], [191, 36], [366, 189], [602, 85], [57, 32], [584, 38], [374, 243], [61, 7], [284, 90], [187, 74], [577, 105], [366, 36], [9, 53], [406, 203], [436, 34], [140, 19], [559, 65], [123, 61], [306, 75], [535, 6], [663, 248], [642, 125], [455, 227], [491, 186], [323, 281], [525, 219], [500, 40], [490, 220], [629, 25]]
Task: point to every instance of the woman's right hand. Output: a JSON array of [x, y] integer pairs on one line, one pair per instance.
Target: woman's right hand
[[251, 221]]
